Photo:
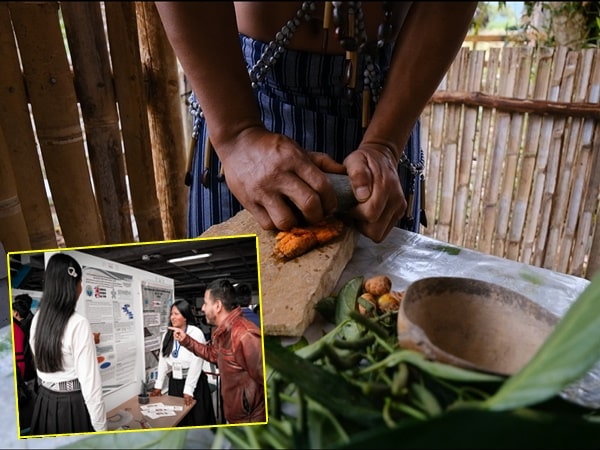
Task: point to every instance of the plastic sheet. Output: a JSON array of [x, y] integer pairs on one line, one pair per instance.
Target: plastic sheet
[[406, 257]]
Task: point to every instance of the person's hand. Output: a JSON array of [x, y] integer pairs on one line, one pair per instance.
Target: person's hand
[[276, 180], [155, 392], [188, 399], [178, 334], [374, 177]]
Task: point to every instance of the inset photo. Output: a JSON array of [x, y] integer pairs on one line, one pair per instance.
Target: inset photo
[[140, 336]]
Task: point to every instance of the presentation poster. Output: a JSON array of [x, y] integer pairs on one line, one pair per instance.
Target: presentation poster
[[109, 308], [156, 304]]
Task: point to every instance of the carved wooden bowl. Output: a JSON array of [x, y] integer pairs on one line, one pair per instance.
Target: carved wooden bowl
[[472, 324]]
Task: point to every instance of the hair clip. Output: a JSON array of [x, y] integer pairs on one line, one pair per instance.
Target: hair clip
[[71, 271]]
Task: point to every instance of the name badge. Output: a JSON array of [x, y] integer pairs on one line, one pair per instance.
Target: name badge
[[177, 371]]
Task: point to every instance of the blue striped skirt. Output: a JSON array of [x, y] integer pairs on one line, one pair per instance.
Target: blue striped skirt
[[302, 97]]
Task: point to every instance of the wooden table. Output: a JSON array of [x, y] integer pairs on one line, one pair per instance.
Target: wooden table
[[128, 415]]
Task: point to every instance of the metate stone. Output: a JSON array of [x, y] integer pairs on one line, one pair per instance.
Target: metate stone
[[290, 290]]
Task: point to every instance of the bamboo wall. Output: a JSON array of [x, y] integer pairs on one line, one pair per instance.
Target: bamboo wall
[[512, 139], [93, 147], [111, 147]]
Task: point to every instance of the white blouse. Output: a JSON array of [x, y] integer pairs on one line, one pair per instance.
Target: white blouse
[[79, 362], [190, 362]]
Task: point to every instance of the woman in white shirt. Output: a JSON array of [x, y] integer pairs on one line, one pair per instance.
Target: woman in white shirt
[[184, 370], [70, 397]]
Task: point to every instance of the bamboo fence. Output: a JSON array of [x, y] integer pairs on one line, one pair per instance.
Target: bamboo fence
[[102, 163], [93, 139], [512, 139]]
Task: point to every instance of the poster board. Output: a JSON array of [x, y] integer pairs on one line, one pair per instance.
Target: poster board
[[112, 301]]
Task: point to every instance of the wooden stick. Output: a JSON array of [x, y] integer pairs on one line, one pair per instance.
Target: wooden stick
[[524, 105], [527, 201], [20, 140], [131, 98], [93, 80], [587, 238], [13, 228], [164, 112], [521, 64], [546, 240], [54, 105]]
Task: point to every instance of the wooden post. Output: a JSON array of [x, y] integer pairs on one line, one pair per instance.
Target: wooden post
[[166, 128], [131, 98], [49, 83], [20, 141], [13, 229], [93, 82]]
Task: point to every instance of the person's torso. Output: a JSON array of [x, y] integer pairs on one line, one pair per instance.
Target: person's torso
[[75, 324], [180, 354], [263, 20], [242, 396]]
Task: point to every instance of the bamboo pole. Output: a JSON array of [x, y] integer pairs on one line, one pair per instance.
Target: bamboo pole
[[494, 176], [506, 104], [593, 206], [131, 99], [434, 162], [13, 229], [166, 129], [49, 83], [22, 147], [93, 81], [487, 117], [521, 237], [563, 170], [519, 88], [456, 79], [550, 171], [462, 213], [582, 186], [590, 138]]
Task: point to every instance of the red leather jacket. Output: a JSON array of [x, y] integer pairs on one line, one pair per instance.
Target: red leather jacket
[[236, 348]]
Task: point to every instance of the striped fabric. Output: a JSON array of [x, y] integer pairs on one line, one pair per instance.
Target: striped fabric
[[303, 97]]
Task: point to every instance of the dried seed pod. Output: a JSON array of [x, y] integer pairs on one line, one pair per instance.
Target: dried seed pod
[[378, 285], [363, 303], [388, 302]]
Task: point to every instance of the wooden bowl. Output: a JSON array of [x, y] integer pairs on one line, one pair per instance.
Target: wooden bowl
[[472, 324]]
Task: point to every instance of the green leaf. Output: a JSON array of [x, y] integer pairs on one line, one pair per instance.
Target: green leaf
[[326, 307], [570, 351], [346, 300], [434, 368], [324, 387]]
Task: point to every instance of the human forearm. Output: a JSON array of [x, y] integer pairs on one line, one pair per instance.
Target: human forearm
[[205, 39], [204, 351], [427, 44]]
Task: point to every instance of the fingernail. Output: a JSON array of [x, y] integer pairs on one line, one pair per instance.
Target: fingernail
[[362, 193]]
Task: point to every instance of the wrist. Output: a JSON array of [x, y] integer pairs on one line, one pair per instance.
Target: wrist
[[389, 150]]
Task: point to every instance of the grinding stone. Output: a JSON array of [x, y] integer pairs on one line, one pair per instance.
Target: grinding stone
[[290, 290]]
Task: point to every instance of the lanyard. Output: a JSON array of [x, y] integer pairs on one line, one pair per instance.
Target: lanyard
[[177, 346]]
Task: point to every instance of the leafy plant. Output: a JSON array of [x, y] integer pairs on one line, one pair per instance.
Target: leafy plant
[[356, 388]]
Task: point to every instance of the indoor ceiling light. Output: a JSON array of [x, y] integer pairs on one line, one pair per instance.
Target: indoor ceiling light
[[189, 258]]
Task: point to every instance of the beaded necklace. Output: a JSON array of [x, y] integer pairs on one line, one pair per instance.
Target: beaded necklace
[[348, 19]]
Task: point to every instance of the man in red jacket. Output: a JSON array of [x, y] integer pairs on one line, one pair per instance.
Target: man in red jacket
[[236, 348]]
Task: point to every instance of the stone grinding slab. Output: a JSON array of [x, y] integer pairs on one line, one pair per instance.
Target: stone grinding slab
[[290, 290]]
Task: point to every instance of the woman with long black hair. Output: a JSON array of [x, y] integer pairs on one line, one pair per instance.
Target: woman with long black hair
[[184, 370], [70, 396]]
